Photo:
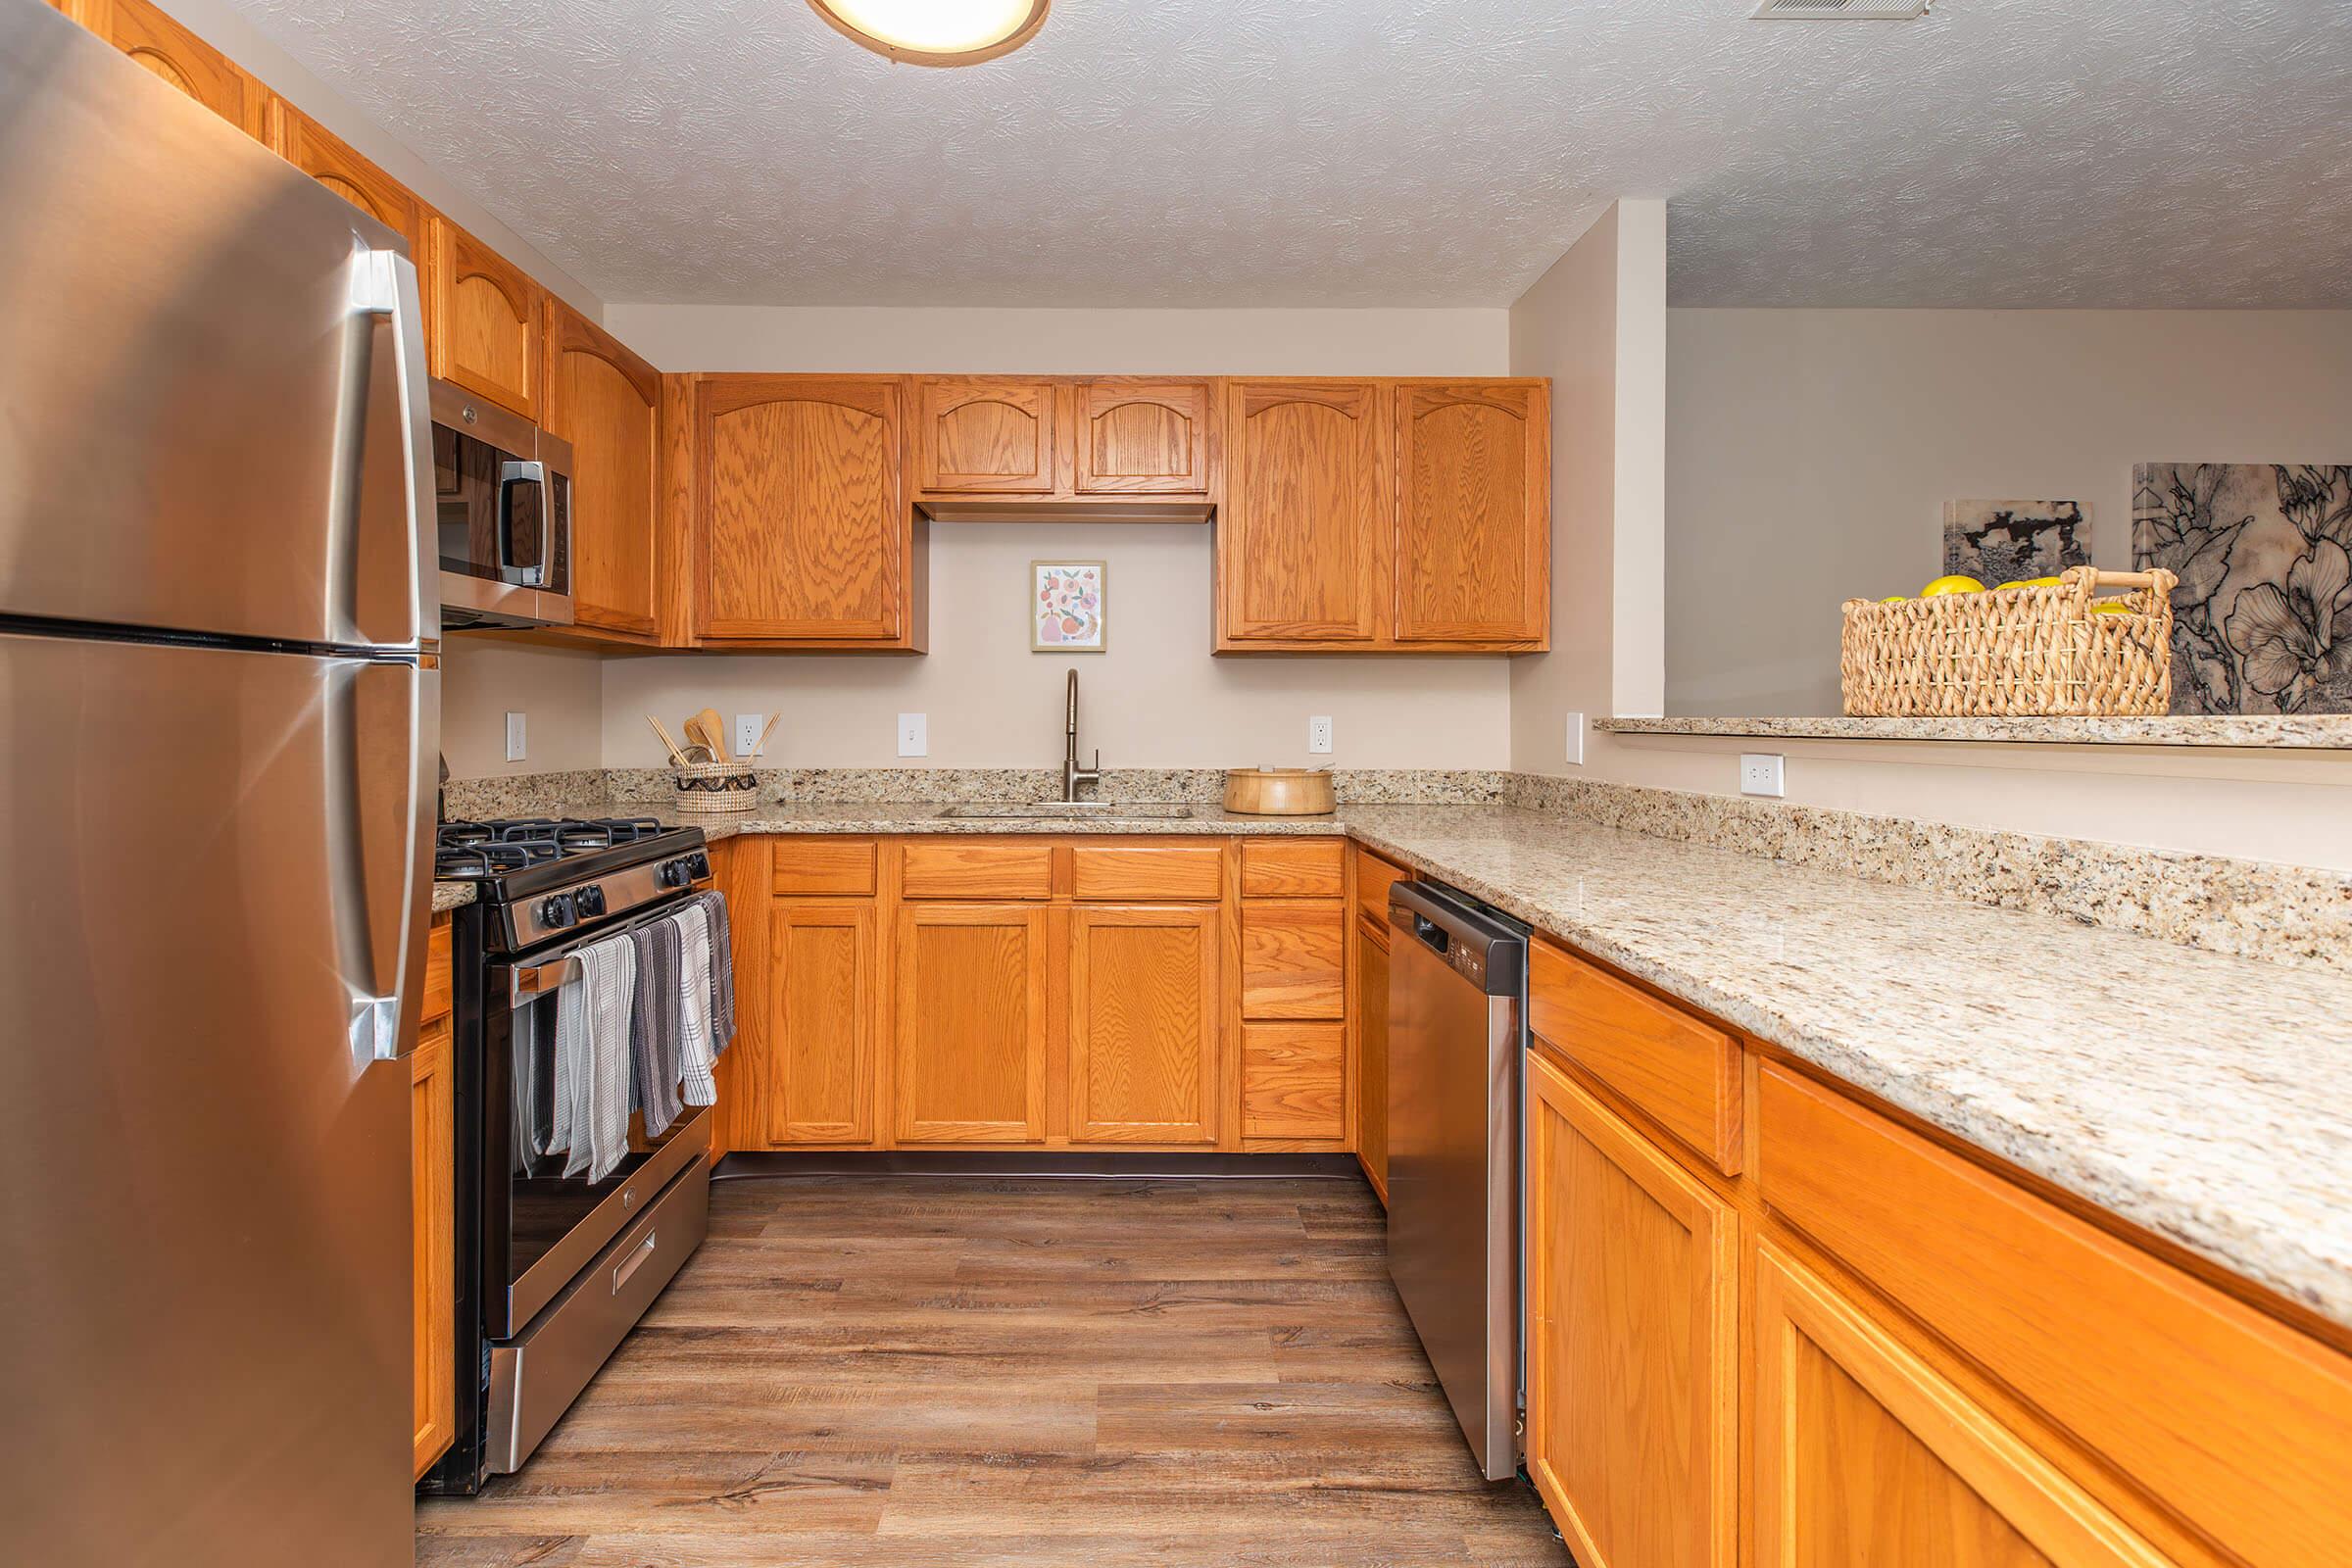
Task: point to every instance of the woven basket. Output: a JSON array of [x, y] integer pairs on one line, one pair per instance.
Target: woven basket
[[2024, 652], [709, 787]]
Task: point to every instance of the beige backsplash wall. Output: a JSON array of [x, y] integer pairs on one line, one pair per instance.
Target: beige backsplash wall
[[1157, 698], [1810, 453], [560, 692]]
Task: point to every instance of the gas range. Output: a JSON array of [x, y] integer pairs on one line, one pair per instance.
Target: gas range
[[539, 878]]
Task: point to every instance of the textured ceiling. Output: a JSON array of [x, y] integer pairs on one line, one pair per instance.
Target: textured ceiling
[[1385, 151]]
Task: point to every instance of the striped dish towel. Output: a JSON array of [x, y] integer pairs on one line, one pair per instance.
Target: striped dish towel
[[592, 1059], [696, 1055], [722, 973], [654, 1024]]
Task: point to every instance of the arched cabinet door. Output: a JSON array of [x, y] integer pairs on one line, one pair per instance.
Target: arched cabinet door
[[172, 52], [984, 434], [1143, 438], [332, 162], [1473, 511], [1301, 541], [802, 534], [483, 324], [607, 401]]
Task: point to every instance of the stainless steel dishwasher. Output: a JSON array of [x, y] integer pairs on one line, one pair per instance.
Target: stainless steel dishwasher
[[1458, 1041]]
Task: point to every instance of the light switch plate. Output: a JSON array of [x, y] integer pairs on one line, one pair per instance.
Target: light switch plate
[[914, 734], [1760, 774], [515, 749], [1576, 739], [1318, 734]]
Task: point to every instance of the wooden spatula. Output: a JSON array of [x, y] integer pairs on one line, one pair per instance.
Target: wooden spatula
[[712, 731]]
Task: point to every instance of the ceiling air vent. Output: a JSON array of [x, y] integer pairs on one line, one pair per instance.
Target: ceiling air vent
[[1839, 9]]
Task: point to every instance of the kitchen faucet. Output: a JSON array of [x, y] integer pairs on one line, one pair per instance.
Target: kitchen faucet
[[1071, 772]]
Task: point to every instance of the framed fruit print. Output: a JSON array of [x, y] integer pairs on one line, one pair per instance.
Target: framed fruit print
[[1066, 605]]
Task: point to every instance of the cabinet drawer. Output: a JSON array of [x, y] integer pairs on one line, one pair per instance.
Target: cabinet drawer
[[1682, 1073], [437, 971], [1186, 872], [1294, 962], [1282, 868], [2240, 1424], [1374, 877], [945, 871], [824, 866], [1294, 1080]]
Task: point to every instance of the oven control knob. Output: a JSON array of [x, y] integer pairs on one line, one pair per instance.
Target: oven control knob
[[558, 913], [674, 874], [698, 866], [588, 902]]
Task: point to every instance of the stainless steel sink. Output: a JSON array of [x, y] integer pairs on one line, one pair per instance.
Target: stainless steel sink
[[1067, 810]]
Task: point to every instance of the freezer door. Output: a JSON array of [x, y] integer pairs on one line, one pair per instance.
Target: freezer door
[[212, 406], [213, 860]]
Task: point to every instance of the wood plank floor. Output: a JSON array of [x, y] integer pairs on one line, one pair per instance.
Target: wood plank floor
[[893, 1370]]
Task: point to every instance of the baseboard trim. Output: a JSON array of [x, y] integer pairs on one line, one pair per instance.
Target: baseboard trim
[[1046, 1163]]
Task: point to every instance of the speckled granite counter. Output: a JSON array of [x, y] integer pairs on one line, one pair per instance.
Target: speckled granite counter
[[2204, 1097], [447, 896]]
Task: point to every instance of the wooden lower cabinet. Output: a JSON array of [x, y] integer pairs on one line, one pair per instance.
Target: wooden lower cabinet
[[824, 994], [1865, 1455], [1144, 1024], [432, 1155], [970, 1066], [1372, 1053], [1632, 1325]]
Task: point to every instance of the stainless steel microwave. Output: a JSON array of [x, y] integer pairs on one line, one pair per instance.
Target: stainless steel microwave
[[502, 491]]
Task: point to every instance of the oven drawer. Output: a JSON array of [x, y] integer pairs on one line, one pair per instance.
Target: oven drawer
[[535, 1376], [687, 1142]]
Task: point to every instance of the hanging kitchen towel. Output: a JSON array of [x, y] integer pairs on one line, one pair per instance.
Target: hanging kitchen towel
[[722, 973], [654, 1025], [696, 1054], [592, 1059]]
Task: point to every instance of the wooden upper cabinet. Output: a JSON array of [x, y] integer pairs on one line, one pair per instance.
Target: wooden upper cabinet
[[802, 528], [607, 401], [1142, 438], [1301, 535], [1866, 1456], [987, 435], [1633, 1332], [484, 322], [1144, 1024], [176, 55], [1473, 511], [331, 161]]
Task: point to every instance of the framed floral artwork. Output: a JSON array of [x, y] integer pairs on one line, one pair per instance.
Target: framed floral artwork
[[1066, 602], [2262, 619]]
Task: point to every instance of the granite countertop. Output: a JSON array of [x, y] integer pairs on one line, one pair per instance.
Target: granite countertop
[[2203, 1096], [2284, 731]]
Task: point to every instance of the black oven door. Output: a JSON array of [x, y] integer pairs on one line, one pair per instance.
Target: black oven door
[[541, 1226]]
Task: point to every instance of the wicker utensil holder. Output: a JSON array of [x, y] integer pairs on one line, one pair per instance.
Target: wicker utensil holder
[[712, 787], [2026, 652]]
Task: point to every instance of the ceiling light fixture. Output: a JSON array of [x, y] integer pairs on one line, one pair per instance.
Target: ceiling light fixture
[[936, 33]]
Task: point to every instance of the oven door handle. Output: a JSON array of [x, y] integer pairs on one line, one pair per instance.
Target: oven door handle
[[530, 981]]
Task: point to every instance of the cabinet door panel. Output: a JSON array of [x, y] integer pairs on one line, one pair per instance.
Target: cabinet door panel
[[971, 1024], [824, 983], [1372, 1053], [172, 52], [331, 161], [607, 401], [484, 322], [1294, 961], [432, 1144], [1473, 515], [1144, 1034], [985, 434], [1294, 1080], [1143, 438], [802, 531], [1632, 1308], [1302, 535], [1865, 1456]]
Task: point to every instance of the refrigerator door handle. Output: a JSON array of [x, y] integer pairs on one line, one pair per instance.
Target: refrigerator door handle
[[393, 494], [378, 872]]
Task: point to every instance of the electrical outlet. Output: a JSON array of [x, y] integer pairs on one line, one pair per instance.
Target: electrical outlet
[[1760, 774], [747, 733], [515, 749], [914, 734], [1318, 734], [1576, 739]]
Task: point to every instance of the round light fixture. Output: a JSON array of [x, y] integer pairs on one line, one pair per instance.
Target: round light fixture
[[936, 33]]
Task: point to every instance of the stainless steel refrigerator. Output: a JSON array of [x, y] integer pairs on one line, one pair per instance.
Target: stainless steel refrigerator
[[220, 712]]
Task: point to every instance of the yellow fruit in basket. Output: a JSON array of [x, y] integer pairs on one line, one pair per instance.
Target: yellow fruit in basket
[[1895, 599], [2024, 582], [1951, 585], [2111, 607]]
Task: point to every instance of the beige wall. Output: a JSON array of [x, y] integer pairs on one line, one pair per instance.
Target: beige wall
[[1596, 324], [1810, 454], [219, 24], [558, 692], [1157, 698]]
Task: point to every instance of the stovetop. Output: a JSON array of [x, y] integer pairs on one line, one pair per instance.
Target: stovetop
[[518, 856]]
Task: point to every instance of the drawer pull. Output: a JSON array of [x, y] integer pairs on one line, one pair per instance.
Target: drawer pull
[[634, 1261]]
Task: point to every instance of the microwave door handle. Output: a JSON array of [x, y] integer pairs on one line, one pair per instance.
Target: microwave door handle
[[512, 475]]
